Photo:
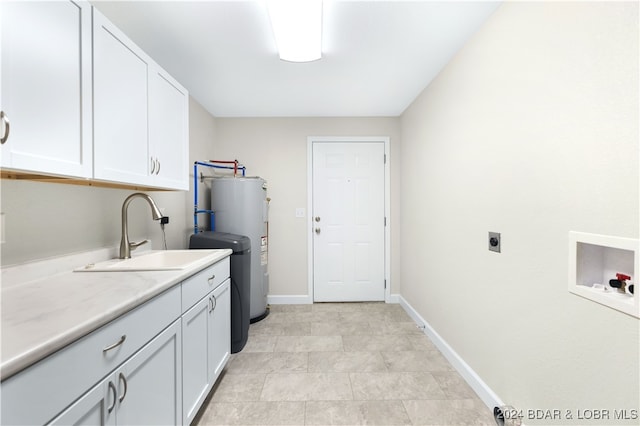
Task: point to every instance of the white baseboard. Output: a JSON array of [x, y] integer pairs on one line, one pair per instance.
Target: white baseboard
[[394, 298], [302, 299], [487, 396]]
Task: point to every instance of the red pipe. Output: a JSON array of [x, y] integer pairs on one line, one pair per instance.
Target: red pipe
[[234, 162]]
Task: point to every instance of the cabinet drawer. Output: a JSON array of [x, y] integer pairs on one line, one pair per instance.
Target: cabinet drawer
[[37, 394], [199, 285]]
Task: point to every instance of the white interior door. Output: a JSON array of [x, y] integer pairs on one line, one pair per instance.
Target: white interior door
[[348, 221]]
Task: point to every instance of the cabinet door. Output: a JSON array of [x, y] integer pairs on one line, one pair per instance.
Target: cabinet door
[[96, 407], [120, 71], [145, 390], [219, 330], [46, 86], [168, 131], [150, 383], [45, 389], [195, 358]]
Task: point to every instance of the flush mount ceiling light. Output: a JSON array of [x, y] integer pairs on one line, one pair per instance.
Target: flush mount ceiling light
[[297, 27]]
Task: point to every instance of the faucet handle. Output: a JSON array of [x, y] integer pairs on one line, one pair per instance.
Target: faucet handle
[[138, 244]]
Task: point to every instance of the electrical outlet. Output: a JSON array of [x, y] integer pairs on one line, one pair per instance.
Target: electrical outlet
[[300, 212], [494, 241]]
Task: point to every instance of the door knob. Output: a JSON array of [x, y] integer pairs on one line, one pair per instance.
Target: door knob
[[317, 230], [317, 219]]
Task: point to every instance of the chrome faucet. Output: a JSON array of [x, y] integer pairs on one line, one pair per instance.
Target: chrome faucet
[[125, 245]]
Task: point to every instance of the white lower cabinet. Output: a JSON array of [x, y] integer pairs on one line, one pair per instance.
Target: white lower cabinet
[[154, 365], [195, 383], [145, 390], [49, 387], [91, 409], [219, 330], [206, 345]]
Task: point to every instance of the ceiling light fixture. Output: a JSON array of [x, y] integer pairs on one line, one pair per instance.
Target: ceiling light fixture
[[297, 27]]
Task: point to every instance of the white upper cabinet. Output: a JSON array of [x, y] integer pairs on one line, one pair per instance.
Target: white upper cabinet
[[168, 131], [120, 106], [45, 87], [119, 118], [141, 115]]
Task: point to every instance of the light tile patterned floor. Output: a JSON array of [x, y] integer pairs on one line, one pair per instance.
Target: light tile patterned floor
[[341, 364]]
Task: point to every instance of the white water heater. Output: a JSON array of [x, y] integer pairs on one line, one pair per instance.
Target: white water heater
[[240, 206]]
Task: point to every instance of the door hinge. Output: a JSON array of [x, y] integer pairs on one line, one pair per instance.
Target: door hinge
[[385, 284], [385, 158], [385, 221]]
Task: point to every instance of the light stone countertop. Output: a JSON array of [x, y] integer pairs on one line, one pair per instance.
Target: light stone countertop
[[53, 306]]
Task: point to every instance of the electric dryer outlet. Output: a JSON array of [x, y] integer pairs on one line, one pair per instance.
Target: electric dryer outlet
[[494, 241]]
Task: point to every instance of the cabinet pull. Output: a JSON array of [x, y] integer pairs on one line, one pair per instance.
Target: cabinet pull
[[112, 388], [215, 302], [153, 165], [116, 344], [122, 379], [211, 278], [5, 119], [158, 170]]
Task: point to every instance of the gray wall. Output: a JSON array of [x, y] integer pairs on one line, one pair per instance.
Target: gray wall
[[276, 149], [531, 131]]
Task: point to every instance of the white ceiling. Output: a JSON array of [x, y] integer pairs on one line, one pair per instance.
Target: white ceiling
[[377, 55]]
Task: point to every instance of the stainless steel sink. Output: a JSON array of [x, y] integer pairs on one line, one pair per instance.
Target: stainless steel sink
[[156, 260]]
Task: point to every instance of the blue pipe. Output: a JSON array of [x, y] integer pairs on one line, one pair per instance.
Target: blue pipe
[[195, 197]]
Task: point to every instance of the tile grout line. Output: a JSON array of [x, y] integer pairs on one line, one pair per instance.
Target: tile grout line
[[305, 413], [384, 367], [264, 381]]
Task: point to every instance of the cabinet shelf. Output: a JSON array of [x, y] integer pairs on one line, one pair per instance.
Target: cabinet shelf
[[594, 260]]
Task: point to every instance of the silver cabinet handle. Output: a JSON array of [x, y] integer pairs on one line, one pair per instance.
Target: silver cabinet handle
[[116, 344], [123, 379], [211, 278], [215, 303], [155, 166], [210, 304], [112, 388], [317, 219], [317, 230], [7, 128]]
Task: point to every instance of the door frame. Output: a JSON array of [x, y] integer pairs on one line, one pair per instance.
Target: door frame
[[387, 205]]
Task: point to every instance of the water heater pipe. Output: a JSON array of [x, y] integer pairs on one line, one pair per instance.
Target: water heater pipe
[[197, 211], [234, 162]]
